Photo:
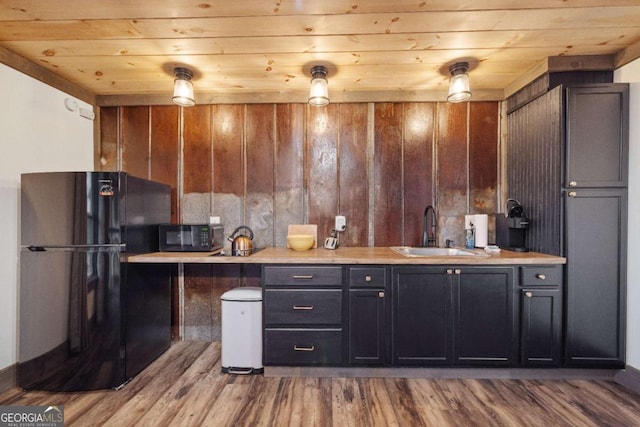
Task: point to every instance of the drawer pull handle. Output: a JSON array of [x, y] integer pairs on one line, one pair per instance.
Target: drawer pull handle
[[573, 184], [303, 307], [298, 348], [303, 277], [572, 194], [541, 276], [367, 278], [381, 294], [528, 294]]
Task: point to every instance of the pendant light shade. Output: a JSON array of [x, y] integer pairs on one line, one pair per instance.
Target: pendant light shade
[[459, 83], [319, 92], [183, 88]]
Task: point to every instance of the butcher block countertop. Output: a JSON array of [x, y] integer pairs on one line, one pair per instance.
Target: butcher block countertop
[[346, 255]]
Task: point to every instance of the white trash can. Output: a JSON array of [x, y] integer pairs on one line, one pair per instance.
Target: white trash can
[[242, 331]]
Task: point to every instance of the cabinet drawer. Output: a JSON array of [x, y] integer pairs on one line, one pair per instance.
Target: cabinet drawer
[[302, 306], [302, 276], [367, 277], [303, 346], [541, 276]]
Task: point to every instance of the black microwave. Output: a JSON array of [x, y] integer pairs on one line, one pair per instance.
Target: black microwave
[[191, 237]]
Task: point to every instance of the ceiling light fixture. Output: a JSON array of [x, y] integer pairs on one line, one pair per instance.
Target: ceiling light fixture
[[319, 93], [183, 88], [459, 82]]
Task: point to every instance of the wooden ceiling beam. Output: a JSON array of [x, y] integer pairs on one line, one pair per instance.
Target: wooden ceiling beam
[[40, 73], [556, 64], [298, 97], [628, 54]]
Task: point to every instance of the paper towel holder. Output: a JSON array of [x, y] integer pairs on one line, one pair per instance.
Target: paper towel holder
[[480, 225]]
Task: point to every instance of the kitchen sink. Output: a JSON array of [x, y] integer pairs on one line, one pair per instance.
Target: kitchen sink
[[410, 251]]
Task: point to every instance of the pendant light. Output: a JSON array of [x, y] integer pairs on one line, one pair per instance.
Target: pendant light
[[459, 82], [183, 88], [319, 92]]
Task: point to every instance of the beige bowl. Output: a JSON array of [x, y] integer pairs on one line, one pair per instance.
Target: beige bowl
[[301, 242]]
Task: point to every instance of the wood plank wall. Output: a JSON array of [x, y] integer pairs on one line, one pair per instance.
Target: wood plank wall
[[271, 165]]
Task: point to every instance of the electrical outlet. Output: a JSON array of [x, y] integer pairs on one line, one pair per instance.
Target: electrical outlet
[[341, 223]]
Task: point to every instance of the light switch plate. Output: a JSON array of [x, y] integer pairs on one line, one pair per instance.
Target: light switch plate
[[341, 223]]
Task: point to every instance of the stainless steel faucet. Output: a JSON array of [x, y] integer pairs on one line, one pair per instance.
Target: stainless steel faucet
[[429, 227]]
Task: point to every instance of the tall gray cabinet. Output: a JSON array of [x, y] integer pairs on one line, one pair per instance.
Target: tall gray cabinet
[[567, 164]]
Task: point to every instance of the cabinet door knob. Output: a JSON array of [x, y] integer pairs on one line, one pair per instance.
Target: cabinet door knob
[[573, 184], [457, 271], [572, 194], [367, 278], [449, 271], [381, 294], [300, 348], [528, 294], [541, 276], [303, 307]]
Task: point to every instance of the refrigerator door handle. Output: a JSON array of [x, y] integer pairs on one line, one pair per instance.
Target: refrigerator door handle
[[108, 247]]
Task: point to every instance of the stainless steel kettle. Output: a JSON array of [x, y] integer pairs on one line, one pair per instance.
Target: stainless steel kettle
[[241, 241]]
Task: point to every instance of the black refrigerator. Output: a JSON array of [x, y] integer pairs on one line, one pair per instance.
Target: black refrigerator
[[88, 319]]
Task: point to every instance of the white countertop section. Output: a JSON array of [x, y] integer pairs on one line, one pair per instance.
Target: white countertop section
[[346, 255]]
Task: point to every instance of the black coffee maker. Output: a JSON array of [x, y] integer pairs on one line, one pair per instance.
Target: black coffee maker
[[511, 227]]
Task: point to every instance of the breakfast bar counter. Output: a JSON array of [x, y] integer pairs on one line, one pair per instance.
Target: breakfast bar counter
[[347, 255]]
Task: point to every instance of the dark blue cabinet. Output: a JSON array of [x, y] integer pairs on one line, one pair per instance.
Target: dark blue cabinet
[[454, 316], [567, 164]]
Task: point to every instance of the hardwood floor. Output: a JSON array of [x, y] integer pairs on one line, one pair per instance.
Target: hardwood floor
[[185, 387]]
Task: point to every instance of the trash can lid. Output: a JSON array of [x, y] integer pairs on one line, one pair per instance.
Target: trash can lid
[[246, 293]]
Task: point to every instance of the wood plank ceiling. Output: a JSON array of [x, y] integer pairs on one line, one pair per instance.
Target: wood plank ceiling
[[119, 52]]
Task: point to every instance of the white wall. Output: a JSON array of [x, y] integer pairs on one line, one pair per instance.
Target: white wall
[[37, 133], [630, 73]]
